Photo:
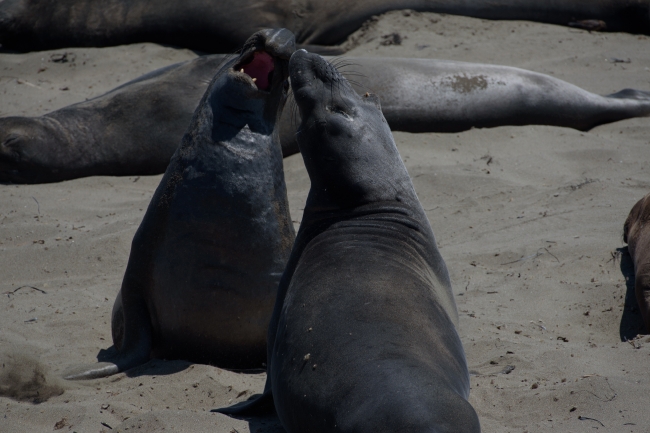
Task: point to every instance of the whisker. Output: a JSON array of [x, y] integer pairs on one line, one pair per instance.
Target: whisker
[[353, 73], [341, 64], [345, 64], [356, 83], [293, 109], [334, 60]]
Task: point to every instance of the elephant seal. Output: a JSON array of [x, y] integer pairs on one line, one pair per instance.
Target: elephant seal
[[222, 26], [123, 132], [133, 129], [363, 334], [636, 233], [206, 261]]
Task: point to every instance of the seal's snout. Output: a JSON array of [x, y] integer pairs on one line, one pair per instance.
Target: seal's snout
[[264, 58], [319, 88], [304, 67], [255, 85], [279, 42]]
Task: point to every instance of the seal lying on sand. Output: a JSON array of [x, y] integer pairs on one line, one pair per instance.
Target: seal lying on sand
[[135, 128], [222, 26], [636, 233], [363, 335], [206, 261], [124, 133]]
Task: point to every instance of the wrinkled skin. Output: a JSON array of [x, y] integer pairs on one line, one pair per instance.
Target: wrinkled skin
[[133, 129], [223, 25], [205, 263], [363, 335], [636, 233], [123, 133]]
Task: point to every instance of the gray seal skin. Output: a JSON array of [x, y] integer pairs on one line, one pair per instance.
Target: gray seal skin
[[636, 232], [423, 95], [223, 25], [363, 335], [206, 261], [124, 133], [133, 129]]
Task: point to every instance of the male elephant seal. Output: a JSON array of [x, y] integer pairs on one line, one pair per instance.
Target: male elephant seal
[[636, 233], [134, 129], [223, 25], [363, 335], [206, 261]]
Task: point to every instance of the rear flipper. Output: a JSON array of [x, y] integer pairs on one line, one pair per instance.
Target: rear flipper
[[626, 104], [639, 95], [132, 338]]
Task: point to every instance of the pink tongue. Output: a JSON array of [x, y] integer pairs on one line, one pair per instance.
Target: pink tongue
[[260, 68]]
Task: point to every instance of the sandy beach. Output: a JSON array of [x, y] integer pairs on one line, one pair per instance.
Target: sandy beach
[[528, 219]]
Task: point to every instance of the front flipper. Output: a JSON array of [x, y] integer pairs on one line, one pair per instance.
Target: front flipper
[[94, 371], [121, 362], [262, 405], [132, 337]]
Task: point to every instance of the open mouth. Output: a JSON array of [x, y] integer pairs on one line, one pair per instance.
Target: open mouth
[[259, 66]]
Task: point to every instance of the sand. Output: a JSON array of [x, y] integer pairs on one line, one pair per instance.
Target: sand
[[529, 221]]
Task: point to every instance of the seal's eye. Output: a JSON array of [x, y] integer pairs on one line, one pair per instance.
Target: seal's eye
[[260, 69], [10, 140], [338, 110]]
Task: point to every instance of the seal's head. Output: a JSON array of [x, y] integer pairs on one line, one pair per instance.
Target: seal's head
[[28, 147], [250, 89], [345, 141]]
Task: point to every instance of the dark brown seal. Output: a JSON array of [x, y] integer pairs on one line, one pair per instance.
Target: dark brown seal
[[206, 261]]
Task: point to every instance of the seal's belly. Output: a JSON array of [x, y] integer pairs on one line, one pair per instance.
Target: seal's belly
[[212, 293], [354, 311]]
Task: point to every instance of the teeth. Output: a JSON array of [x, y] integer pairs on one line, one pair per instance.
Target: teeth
[[242, 70], [254, 80]]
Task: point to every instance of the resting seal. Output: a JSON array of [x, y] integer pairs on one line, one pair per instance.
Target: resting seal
[[636, 233], [119, 133], [135, 128], [363, 334], [223, 25], [206, 261]]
